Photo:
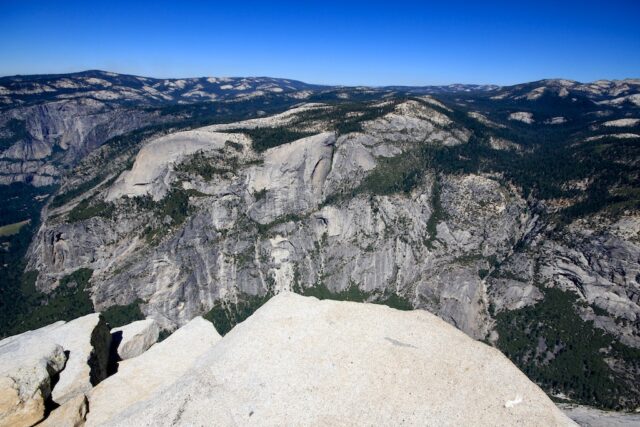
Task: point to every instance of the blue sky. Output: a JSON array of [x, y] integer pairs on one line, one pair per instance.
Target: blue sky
[[369, 43]]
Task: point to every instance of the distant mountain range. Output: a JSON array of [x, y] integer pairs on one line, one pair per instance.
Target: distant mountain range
[[113, 87]]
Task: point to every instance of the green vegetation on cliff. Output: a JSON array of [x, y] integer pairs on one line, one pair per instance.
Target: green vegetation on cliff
[[120, 315], [35, 309], [564, 354]]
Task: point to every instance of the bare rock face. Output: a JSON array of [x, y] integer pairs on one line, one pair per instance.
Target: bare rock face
[[71, 414], [300, 361], [139, 378], [293, 176], [135, 338], [87, 341], [601, 256], [27, 363], [277, 222], [149, 174]]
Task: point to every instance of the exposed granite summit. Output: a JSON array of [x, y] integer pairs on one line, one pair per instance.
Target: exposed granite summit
[[300, 361]]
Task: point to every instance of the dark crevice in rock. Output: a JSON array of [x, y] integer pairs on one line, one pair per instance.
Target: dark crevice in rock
[[99, 359], [114, 358]]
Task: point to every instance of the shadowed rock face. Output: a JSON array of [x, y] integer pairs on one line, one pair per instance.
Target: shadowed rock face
[[300, 361], [71, 414]]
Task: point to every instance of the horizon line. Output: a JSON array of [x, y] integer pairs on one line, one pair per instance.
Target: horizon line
[[309, 83]]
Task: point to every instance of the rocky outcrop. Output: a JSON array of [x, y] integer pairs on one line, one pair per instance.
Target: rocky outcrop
[[135, 338], [296, 361], [71, 414], [86, 340], [27, 364], [300, 361], [522, 116], [139, 378], [33, 362], [54, 364], [150, 174], [413, 121]]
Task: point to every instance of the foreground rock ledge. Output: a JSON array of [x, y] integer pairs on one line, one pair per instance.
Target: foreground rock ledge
[[300, 361], [71, 414], [140, 377], [67, 356], [27, 362]]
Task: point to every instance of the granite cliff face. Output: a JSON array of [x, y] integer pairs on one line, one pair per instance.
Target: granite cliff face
[[448, 205], [266, 226], [45, 138]]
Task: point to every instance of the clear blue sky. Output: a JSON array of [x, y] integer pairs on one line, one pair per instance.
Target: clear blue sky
[[368, 42]]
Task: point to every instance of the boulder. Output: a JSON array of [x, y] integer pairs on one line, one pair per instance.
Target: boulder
[[139, 378], [27, 363], [135, 338], [86, 340], [300, 361], [71, 414]]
